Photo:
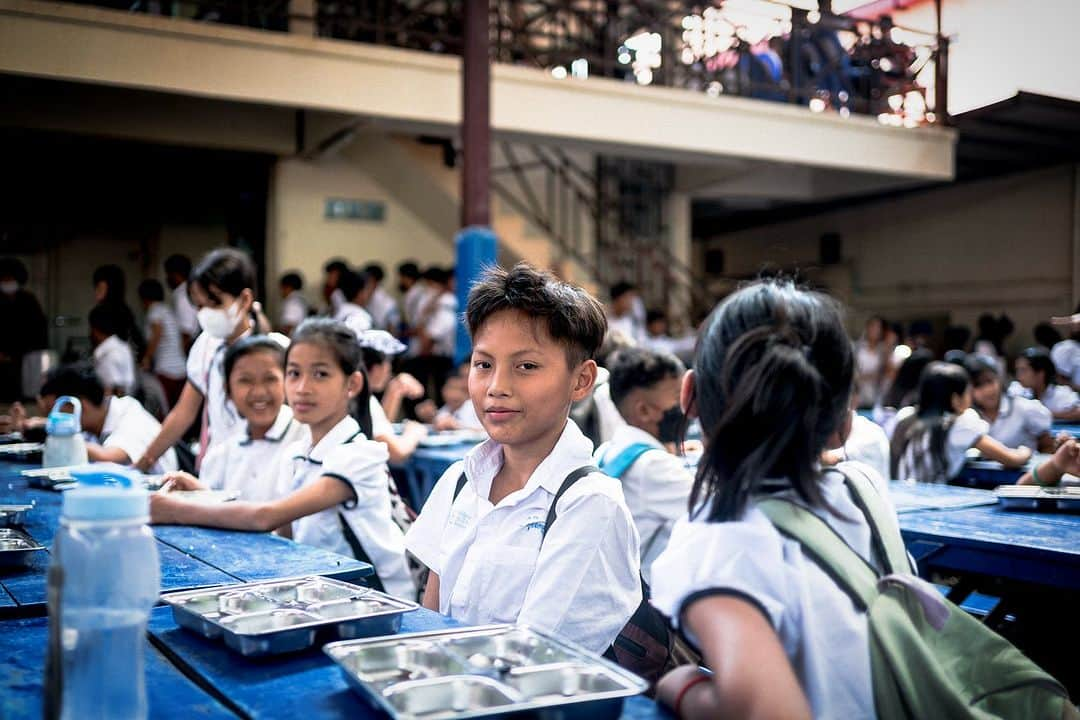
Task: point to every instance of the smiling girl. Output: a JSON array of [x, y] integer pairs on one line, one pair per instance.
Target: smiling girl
[[333, 491]]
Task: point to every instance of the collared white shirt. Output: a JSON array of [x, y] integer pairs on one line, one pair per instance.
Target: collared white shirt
[[657, 489], [414, 301], [383, 310], [964, 432], [114, 364], [169, 355], [582, 583], [868, 444], [131, 428], [1020, 421], [242, 465], [186, 315], [380, 424], [609, 419], [441, 325], [1066, 358], [823, 634], [360, 320], [206, 373], [294, 310], [344, 453]]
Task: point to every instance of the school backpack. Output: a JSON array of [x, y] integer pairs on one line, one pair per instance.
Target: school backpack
[[646, 645], [928, 658]]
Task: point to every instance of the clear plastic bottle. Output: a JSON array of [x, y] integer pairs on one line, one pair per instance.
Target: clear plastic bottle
[[104, 580], [64, 444]]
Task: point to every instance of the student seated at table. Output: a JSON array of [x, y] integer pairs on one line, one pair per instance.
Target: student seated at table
[[377, 347], [121, 428], [783, 639], [904, 390], [1065, 460], [1035, 378], [114, 360], [255, 382], [931, 440], [861, 440], [1014, 420], [656, 482], [333, 491], [483, 531], [457, 412]]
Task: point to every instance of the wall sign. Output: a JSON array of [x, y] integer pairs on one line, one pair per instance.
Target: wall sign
[[352, 209]]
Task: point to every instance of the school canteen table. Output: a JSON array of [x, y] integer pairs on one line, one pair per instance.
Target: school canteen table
[[427, 465], [190, 557]]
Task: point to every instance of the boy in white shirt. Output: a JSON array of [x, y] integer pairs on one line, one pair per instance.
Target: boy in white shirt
[[381, 306], [294, 306], [496, 550], [113, 359], [122, 427], [645, 388], [354, 289], [165, 354]]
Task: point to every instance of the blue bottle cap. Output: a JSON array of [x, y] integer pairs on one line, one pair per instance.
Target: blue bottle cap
[[62, 423], [105, 492]]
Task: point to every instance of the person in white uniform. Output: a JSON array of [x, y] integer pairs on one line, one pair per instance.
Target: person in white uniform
[[656, 482], [382, 307], [1036, 378], [377, 347], [1014, 421], [333, 491], [522, 530], [177, 271], [113, 358], [354, 289], [294, 306]]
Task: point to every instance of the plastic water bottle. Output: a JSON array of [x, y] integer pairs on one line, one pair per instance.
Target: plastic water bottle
[[65, 444], [103, 582]]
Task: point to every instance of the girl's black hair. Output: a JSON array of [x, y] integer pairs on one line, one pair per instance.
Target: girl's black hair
[[1039, 360], [341, 341], [248, 346], [372, 357], [926, 431], [978, 366], [773, 378], [905, 386], [225, 270], [115, 282]]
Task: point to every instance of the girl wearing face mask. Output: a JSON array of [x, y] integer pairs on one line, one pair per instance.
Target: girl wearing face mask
[[221, 287]]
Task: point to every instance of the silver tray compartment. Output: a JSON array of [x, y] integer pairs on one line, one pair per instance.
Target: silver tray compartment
[[286, 615], [507, 670], [16, 547], [13, 514]]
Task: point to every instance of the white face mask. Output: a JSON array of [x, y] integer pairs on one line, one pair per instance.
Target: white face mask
[[219, 323], [9, 287]]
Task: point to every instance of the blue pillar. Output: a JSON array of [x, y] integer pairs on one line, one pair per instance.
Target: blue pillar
[[476, 249]]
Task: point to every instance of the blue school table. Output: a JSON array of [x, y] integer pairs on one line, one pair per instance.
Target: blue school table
[[1064, 427], [427, 465]]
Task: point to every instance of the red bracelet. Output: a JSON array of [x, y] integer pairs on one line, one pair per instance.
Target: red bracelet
[[700, 678]]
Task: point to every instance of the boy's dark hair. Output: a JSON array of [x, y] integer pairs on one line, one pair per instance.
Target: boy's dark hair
[[249, 346], [14, 268], [114, 279], [1040, 361], [225, 270], [621, 288], [351, 283], [151, 290], [654, 315], [106, 318], [292, 280], [1046, 335], [409, 270], [929, 427], [179, 264], [76, 379], [634, 368], [569, 315], [375, 270], [341, 341], [774, 372], [436, 275], [957, 337], [335, 265]]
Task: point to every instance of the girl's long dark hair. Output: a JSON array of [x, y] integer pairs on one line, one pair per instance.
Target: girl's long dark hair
[[340, 340], [773, 378], [927, 431]]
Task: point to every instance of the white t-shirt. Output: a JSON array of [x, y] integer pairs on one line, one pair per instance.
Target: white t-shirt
[[131, 428], [1020, 421], [358, 317], [360, 463], [187, 318], [657, 489], [240, 464], [581, 584], [169, 356], [964, 432], [869, 365], [868, 444], [1066, 357], [294, 310], [441, 325], [114, 364], [823, 634], [206, 373], [383, 310]]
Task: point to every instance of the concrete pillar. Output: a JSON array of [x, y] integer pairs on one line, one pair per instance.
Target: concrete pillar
[[680, 243]]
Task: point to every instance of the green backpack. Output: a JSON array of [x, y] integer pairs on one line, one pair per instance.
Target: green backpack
[[928, 658]]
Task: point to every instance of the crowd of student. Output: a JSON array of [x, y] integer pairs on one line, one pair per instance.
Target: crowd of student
[[583, 513]]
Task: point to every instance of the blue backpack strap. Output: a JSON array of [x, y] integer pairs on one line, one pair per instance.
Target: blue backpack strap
[[617, 466]]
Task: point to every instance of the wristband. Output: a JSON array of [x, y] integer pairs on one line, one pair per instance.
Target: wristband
[[699, 678], [1035, 474]]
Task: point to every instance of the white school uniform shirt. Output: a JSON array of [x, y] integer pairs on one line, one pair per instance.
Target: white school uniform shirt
[[823, 634], [169, 356], [383, 310], [465, 415], [294, 310], [609, 419], [441, 325], [131, 428], [964, 432], [114, 364], [657, 489], [206, 373], [414, 301], [1066, 357], [380, 424], [1020, 421], [360, 463], [187, 317], [582, 584], [868, 444], [360, 320], [240, 464]]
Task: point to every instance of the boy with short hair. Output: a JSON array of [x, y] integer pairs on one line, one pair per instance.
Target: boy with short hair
[[114, 360], [485, 530], [123, 428], [645, 389], [294, 306]]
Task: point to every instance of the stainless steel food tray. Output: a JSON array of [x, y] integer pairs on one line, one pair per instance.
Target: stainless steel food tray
[[279, 616], [1043, 499], [21, 451], [16, 547], [61, 478], [477, 672], [13, 514]]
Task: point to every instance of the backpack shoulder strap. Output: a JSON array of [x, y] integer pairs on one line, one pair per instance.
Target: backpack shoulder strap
[[572, 478], [884, 530], [850, 572], [460, 486], [617, 466]]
